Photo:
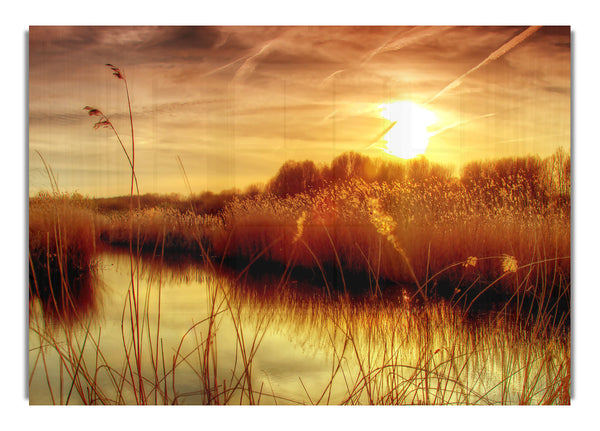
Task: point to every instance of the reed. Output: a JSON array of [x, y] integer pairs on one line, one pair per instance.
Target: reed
[[62, 238], [434, 237], [147, 374], [370, 225], [429, 251], [389, 351]]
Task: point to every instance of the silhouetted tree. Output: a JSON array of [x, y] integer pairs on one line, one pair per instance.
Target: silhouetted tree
[[390, 172], [418, 169], [520, 179], [558, 176], [295, 177]]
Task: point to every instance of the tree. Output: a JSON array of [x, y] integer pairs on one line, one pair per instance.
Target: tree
[[418, 169], [390, 172], [353, 165], [295, 177]]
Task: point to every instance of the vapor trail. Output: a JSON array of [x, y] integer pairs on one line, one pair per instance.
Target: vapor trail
[[225, 66], [459, 123], [397, 41], [250, 64], [381, 135], [432, 134], [493, 56]]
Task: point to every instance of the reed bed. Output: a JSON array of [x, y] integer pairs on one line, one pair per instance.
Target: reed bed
[[62, 236], [424, 234], [364, 227], [62, 254], [411, 351], [163, 228], [395, 351], [429, 237]]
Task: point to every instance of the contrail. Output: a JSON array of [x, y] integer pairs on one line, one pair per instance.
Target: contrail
[[432, 134], [407, 38], [493, 56], [398, 40], [225, 66], [459, 123], [381, 135], [330, 77], [250, 64]]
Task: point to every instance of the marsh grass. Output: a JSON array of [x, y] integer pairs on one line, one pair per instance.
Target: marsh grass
[[393, 352], [408, 350], [430, 252], [377, 228], [439, 239], [62, 238], [62, 248], [382, 352], [147, 375]]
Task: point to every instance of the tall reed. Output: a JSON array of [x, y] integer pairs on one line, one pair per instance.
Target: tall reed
[[148, 374], [432, 236]]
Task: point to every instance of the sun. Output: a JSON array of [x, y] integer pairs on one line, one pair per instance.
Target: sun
[[407, 136]]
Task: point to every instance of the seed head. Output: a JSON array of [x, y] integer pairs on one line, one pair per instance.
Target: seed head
[[102, 123], [509, 263], [93, 112], [300, 223], [116, 71], [471, 261]]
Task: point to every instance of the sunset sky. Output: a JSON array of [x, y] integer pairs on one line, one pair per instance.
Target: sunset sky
[[234, 103]]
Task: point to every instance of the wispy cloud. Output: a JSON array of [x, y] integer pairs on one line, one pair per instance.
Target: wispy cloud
[[292, 92], [249, 64], [531, 138], [401, 40], [493, 56], [225, 66], [398, 40]]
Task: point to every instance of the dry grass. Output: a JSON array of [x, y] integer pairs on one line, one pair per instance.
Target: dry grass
[[443, 237], [392, 352], [62, 235], [62, 254], [431, 236], [419, 234]]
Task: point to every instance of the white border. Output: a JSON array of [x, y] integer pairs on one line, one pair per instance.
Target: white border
[[579, 14]]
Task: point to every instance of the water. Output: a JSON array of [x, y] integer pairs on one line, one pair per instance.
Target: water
[[271, 342]]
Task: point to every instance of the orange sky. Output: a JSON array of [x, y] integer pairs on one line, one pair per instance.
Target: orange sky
[[234, 103]]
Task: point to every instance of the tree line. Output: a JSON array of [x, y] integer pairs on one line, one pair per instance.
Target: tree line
[[532, 179], [535, 179]]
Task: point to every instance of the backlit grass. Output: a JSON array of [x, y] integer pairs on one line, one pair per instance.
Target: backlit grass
[[399, 258]]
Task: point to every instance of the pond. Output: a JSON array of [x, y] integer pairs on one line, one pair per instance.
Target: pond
[[180, 333]]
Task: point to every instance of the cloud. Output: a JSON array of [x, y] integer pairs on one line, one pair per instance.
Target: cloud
[[182, 38], [397, 40], [259, 89], [250, 63], [493, 56]]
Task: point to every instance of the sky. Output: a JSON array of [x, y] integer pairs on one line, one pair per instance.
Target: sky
[[234, 103]]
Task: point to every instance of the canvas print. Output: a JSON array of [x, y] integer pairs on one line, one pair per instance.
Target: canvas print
[[306, 215]]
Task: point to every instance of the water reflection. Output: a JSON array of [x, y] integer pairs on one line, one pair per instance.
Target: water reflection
[[66, 299], [207, 336]]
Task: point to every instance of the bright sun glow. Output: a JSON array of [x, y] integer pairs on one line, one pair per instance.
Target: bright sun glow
[[408, 135]]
